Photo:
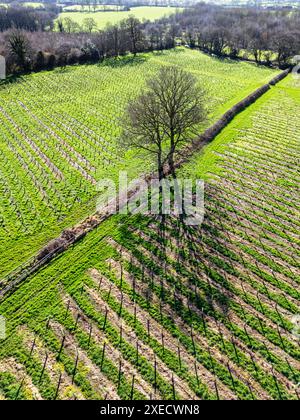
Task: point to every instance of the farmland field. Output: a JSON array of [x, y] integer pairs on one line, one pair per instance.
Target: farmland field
[[91, 8], [59, 134], [262, 3], [25, 4], [104, 18], [33, 4], [141, 310]]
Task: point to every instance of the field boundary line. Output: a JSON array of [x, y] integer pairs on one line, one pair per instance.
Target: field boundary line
[[72, 235]]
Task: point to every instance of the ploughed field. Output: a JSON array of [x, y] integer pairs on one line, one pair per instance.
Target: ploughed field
[[59, 134], [142, 310]]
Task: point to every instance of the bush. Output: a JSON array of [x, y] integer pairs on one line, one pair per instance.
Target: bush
[[39, 61]]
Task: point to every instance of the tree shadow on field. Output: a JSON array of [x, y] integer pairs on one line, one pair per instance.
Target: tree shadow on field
[[63, 69], [119, 62], [195, 264], [177, 50], [12, 79], [224, 59], [233, 60], [176, 258]]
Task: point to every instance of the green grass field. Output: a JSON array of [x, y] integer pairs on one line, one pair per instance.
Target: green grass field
[[262, 3], [62, 140], [33, 4], [84, 8], [104, 18], [141, 310]]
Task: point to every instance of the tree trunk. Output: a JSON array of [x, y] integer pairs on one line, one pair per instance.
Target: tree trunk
[[171, 161], [160, 170]]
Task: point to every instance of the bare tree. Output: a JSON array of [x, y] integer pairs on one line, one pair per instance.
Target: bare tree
[[60, 26], [19, 48], [70, 25], [115, 40], [89, 24], [142, 127], [165, 116], [89, 4], [95, 5], [133, 28]]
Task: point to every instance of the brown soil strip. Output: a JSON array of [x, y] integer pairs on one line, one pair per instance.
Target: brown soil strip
[[243, 270], [56, 172], [15, 368], [110, 352], [53, 367], [278, 351], [143, 290], [130, 336], [95, 377], [196, 145], [214, 325], [158, 333]]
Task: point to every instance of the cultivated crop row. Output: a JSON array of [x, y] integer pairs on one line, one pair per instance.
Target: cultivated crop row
[[149, 308], [60, 133]]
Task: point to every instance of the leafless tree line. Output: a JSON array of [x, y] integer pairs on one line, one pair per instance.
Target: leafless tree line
[[27, 51], [28, 19], [268, 35]]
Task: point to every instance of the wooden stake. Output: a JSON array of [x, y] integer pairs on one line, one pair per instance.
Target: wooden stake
[[44, 366], [61, 347], [103, 354], [75, 367], [58, 385]]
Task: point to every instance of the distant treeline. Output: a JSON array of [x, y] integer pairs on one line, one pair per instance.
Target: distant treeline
[[29, 43], [28, 18], [269, 35], [27, 51]]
